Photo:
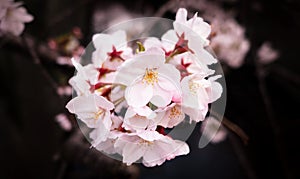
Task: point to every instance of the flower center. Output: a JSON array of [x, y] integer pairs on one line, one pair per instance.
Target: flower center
[[194, 86], [174, 113], [145, 142], [151, 76]]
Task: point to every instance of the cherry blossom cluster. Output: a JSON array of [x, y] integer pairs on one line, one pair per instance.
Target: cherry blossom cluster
[[161, 84]]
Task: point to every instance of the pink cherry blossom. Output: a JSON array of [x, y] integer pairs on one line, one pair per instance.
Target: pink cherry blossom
[[93, 110], [189, 63], [170, 116], [85, 77], [151, 80], [142, 118], [111, 49], [198, 92], [107, 145], [129, 100], [191, 27], [152, 147], [196, 32]]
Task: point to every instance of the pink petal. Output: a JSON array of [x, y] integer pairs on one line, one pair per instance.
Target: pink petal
[[181, 15], [135, 123], [103, 102], [82, 104], [172, 117], [170, 73], [161, 98], [216, 87], [152, 42], [132, 152], [150, 135], [145, 111], [139, 94]]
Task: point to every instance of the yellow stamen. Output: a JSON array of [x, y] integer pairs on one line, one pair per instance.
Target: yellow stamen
[[174, 113], [193, 86], [151, 76], [145, 142], [98, 114]]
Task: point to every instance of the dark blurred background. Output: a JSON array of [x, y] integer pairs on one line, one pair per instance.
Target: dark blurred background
[[263, 102]]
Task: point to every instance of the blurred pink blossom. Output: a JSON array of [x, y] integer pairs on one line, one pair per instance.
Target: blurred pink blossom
[[266, 54], [228, 38], [13, 17], [229, 43], [64, 90], [63, 121]]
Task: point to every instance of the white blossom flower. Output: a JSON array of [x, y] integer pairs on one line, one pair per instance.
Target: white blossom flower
[[198, 92], [189, 63], [111, 50], [86, 76], [152, 147], [191, 27], [196, 32], [93, 110], [107, 144], [13, 17], [137, 119], [170, 116], [129, 100], [151, 80]]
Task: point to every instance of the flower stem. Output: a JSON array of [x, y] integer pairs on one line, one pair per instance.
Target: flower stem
[[233, 127]]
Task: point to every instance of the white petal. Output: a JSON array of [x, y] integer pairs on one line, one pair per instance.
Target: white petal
[[168, 73], [118, 38], [150, 135], [216, 87], [161, 97], [103, 102], [139, 94], [152, 42], [132, 152], [169, 40]]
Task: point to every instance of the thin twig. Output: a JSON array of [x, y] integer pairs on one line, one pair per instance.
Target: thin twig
[[36, 60], [236, 129], [62, 170], [233, 127], [287, 74], [279, 143], [40, 49], [242, 157], [238, 149]]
